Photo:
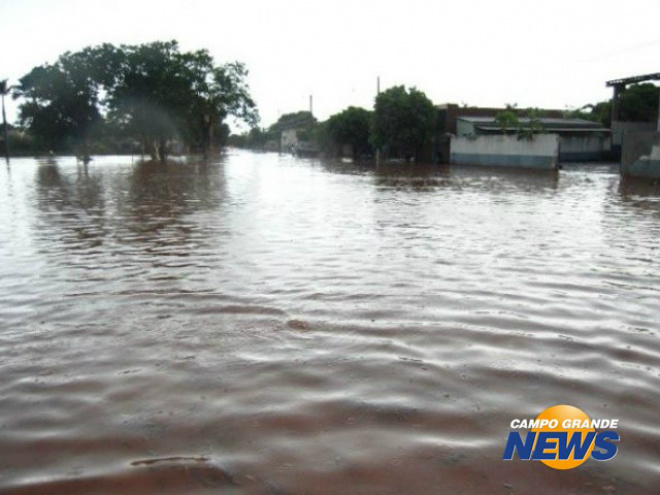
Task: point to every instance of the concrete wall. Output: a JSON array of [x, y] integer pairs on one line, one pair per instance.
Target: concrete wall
[[583, 148], [507, 151], [641, 155]]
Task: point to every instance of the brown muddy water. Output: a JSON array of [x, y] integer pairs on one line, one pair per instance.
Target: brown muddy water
[[272, 325]]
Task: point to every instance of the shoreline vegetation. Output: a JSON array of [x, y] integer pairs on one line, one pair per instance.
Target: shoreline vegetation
[[155, 100], [151, 99]]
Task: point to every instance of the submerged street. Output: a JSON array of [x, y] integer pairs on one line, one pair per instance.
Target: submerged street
[[267, 324]]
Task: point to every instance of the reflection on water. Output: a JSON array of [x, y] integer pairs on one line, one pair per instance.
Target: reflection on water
[[265, 324]]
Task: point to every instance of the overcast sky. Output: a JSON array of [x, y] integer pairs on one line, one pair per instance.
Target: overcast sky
[[481, 52]]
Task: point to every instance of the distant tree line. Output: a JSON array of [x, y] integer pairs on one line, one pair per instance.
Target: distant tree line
[[145, 98], [119, 98], [403, 121], [401, 125]]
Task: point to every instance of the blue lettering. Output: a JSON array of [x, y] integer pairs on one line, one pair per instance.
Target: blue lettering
[[547, 440], [603, 441], [552, 446], [573, 445], [515, 442]]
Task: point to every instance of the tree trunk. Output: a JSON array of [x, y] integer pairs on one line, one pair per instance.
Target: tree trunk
[[153, 150], [4, 126], [206, 135], [85, 152], [162, 149]]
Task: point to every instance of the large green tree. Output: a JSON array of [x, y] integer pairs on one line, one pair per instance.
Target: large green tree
[[152, 92], [403, 122], [639, 103], [62, 102], [160, 93], [352, 127]]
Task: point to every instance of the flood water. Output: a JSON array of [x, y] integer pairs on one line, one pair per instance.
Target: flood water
[[270, 325]]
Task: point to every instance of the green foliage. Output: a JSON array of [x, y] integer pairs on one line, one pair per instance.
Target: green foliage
[[585, 112], [508, 119], [325, 143], [238, 140], [62, 102], [351, 126], [638, 103], [296, 120], [403, 121], [602, 112], [525, 124], [533, 124], [152, 92], [20, 143], [256, 138]]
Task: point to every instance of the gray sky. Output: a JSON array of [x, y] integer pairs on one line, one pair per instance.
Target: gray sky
[[480, 52]]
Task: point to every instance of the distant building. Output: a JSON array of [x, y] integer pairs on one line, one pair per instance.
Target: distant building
[[289, 139], [296, 131], [580, 140]]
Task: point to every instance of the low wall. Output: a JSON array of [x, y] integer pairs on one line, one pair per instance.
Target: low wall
[[506, 151], [641, 155], [583, 148]]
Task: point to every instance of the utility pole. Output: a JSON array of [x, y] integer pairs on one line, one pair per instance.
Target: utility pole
[[311, 104]]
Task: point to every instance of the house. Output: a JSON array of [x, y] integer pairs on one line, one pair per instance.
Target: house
[[580, 140], [289, 139], [295, 132]]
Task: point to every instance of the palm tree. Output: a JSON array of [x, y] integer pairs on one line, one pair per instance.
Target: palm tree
[[4, 90]]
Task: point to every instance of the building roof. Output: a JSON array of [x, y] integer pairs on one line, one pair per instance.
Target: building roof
[[635, 79], [564, 125]]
